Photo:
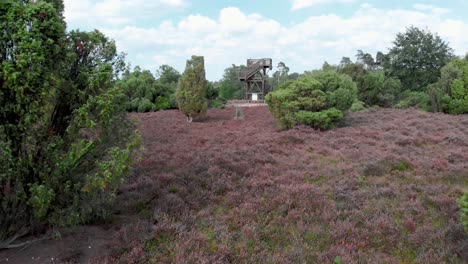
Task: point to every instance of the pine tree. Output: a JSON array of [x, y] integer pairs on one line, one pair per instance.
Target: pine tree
[[191, 95]]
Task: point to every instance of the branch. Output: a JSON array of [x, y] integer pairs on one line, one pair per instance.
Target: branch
[[9, 245]]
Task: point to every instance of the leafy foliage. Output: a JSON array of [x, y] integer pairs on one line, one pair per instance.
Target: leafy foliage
[[357, 106], [316, 100], [375, 86], [450, 93], [191, 95], [340, 89], [417, 57], [377, 89], [230, 87], [325, 119], [414, 99], [464, 210], [146, 93], [66, 143]]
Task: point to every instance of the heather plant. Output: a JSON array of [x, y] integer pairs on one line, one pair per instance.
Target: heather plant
[[450, 93], [317, 100], [66, 143], [191, 95]]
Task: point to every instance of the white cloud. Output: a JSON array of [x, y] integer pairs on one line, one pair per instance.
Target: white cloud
[[115, 13], [431, 8], [300, 4], [302, 46]]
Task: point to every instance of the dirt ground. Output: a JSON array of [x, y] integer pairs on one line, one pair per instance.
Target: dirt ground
[[382, 188]]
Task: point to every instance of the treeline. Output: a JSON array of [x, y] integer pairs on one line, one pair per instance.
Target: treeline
[[146, 92], [420, 70]]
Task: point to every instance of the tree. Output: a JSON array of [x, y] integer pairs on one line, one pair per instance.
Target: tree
[[65, 143], [345, 61], [365, 59], [450, 93], [167, 74], [417, 57], [168, 79], [88, 69], [377, 89], [230, 87], [279, 76], [380, 59], [191, 95]]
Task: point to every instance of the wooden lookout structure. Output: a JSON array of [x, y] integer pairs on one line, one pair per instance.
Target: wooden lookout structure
[[255, 78]]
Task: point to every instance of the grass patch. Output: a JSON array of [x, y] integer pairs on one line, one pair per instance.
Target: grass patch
[[403, 166], [161, 245], [173, 189], [315, 180]]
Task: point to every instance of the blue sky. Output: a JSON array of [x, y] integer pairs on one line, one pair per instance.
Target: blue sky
[[301, 33]]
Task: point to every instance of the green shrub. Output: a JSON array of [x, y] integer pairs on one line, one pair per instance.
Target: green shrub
[[414, 99], [340, 89], [142, 87], [450, 93], [217, 103], [464, 210], [162, 103], [325, 119], [357, 106], [145, 105], [316, 100]]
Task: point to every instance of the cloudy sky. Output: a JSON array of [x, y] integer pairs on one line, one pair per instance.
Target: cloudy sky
[[301, 33]]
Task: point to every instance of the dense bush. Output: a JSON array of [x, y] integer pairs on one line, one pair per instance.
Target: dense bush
[[340, 89], [146, 93], [65, 141], [357, 106], [377, 89], [414, 99], [212, 95], [325, 119], [450, 93], [145, 105], [317, 100]]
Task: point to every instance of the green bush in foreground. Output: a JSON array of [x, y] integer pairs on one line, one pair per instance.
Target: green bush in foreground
[[316, 100], [65, 141]]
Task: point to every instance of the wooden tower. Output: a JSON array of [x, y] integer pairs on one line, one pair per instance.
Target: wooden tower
[[255, 78]]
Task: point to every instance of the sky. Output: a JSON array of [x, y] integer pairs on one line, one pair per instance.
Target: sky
[[301, 33]]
